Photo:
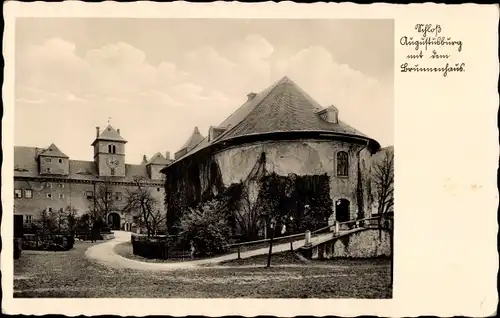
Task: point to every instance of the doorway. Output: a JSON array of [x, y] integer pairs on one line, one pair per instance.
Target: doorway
[[342, 210], [114, 221]]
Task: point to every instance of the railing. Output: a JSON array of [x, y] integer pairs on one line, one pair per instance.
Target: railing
[[336, 229]]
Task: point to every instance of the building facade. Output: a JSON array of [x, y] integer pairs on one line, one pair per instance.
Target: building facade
[[48, 180], [295, 135]]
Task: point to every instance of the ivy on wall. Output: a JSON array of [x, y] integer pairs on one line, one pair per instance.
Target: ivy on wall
[[297, 202]]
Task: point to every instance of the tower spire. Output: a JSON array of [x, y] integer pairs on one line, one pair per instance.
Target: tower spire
[[109, 120]]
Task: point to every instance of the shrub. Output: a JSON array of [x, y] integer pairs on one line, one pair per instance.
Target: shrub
[[50, 242], [159, 247], [207, 228]]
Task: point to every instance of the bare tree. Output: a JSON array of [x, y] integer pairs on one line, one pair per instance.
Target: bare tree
[[103, 202], [383, 182], [46, 223], [71, 219], [144, 206], [60, 218]]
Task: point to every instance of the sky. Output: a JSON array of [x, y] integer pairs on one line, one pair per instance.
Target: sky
[[159, 78]]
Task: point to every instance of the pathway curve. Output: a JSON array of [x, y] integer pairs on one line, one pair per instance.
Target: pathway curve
[[104, 253]]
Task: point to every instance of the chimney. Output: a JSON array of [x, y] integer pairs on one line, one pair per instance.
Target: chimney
[[144, 159], [97, 132], [167, 155], [251, 96], [118, 131]]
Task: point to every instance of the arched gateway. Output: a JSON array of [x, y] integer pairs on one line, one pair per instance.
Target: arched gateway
[[114, 221], [342, 210]]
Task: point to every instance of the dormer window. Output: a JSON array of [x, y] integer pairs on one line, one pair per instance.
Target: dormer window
[[330, 114], [215, 132]]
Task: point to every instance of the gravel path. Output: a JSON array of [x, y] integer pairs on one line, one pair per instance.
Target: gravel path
[[104, 253]]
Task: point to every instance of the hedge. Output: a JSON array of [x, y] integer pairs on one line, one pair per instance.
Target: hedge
[[48, 242], [159, 247]]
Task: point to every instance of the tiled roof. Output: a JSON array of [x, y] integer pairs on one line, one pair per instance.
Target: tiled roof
[[282, 107], [25, 162], [286, 108], [25, 165], [53, 151], [110, 134], [158, 159]]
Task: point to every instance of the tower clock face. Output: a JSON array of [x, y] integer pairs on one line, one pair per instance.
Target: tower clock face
[[112, 162]]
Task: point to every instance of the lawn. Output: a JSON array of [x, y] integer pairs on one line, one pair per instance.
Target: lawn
[[70, 274]]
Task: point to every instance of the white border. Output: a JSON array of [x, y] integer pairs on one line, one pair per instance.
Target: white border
[[446, 260]]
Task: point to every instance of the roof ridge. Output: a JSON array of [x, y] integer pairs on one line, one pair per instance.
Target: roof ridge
[[190, 140], [270, 90], [157, 156], [53, 151], [284, 80]]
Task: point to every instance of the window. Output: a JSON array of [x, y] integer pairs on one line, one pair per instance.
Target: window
[[28, 219], [111, 148], [49, 209], [158, 189], [60, 160], [89, 195], [47, 170], [112, 171], [108, 196], [118, 196], [18, 193], [48, 185], [28, 193], [49, 195], [48, 160], [61, 196], [61, 185], [342, 164]]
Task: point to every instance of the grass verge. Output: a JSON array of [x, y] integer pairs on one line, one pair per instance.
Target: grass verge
[[70, 274]]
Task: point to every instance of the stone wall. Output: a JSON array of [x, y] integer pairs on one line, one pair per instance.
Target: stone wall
[[154, 172], [64, 194], [105, 170], [304, 157], [102, 147], [53, 165], [365, 243]]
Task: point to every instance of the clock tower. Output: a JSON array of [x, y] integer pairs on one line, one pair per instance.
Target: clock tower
[[109, 152]]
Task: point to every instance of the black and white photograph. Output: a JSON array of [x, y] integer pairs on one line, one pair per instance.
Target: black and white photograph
[[233, 159], [224, 158]]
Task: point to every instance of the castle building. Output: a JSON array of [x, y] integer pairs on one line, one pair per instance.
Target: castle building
[[280, 131], [47, 179]]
